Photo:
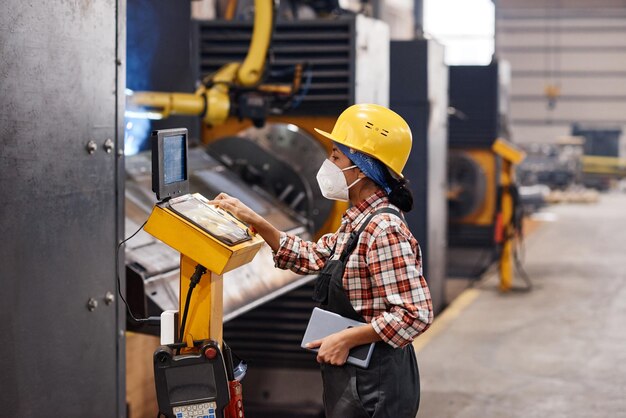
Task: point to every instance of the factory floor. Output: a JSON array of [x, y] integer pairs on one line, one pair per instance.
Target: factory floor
[[557, 351]]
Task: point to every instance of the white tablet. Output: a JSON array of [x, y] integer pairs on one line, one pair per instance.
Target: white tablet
[[324, 323]]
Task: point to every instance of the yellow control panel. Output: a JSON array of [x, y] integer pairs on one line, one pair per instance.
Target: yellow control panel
[[206, 234]]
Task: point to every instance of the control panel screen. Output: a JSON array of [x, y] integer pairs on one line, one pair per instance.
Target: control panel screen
[[174, 161], [213, 221]]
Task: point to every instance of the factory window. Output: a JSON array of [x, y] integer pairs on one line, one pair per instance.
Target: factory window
[[465, 27]]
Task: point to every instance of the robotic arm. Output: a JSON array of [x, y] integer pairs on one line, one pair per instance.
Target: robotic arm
[[213, 100]]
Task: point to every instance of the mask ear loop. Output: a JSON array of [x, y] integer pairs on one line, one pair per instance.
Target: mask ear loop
[[355, 181]]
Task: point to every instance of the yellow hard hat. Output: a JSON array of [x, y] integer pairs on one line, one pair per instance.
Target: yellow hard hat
[[376, 131]]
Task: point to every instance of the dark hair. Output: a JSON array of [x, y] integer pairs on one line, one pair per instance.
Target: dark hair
[[400, 194]]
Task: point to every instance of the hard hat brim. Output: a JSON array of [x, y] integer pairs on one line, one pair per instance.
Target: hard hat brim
[[328, 135], [335, 139]]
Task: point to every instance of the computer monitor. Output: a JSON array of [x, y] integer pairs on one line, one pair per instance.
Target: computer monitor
[[170, 176]]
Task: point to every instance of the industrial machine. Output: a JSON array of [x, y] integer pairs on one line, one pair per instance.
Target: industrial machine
[[556, 165], [601, 162], [478, 116], [599, 171], [485, 214]]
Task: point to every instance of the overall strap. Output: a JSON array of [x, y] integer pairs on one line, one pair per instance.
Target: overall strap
[[354, 235], [335, 268]]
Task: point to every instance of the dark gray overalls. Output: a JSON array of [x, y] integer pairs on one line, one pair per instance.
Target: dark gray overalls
[[390, 386]]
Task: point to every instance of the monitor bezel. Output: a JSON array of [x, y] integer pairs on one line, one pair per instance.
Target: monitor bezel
[[167, 191]]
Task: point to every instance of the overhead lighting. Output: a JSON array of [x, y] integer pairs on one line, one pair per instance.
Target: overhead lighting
[[143, 114]]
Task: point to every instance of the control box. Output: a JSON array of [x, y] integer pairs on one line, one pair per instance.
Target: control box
[[191, 385]]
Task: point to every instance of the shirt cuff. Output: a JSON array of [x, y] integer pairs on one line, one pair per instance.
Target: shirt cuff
[[390, 330], [282, 254]]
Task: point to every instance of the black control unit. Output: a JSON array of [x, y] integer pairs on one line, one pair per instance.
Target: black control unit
[[191, 384]]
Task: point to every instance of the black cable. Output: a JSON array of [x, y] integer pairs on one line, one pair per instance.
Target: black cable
[[523, 275], [195, 279], [518, 231], [119, 283], [228, 360]]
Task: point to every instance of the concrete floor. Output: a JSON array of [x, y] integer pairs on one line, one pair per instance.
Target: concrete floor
[[558, 351]]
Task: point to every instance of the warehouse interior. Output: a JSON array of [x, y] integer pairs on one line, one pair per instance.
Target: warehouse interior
[[517, 169]]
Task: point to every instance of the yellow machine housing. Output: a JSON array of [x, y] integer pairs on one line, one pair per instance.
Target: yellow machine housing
[[484, 213]]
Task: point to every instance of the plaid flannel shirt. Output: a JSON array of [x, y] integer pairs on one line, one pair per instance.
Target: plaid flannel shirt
[[383, 275]]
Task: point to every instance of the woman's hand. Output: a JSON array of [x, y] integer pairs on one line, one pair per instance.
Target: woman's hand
[[246, 215], [332, 349], [236, 208]]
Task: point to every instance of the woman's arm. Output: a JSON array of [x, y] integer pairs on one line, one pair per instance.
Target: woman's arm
[[242, 212], [293, 253]]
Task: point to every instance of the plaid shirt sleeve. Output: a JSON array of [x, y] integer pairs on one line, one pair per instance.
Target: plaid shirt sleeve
[[395, 268], [303, 257]]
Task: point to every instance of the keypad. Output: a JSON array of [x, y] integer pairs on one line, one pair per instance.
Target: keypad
[[200, 410]]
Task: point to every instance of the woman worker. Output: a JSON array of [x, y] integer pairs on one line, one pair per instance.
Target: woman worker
[[380, 280]]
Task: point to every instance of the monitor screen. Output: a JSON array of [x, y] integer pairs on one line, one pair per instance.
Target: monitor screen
[[174, 164], [169, 163]]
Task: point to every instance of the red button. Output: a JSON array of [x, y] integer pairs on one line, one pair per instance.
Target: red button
[[210, 353]]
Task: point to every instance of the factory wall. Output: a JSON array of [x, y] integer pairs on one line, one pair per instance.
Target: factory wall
[[577, 48]]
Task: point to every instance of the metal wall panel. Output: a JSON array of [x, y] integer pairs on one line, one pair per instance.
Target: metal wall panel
[[562, 7], [573, 61], [608, 87], [60, 79], [603, 36], [582, 110], [418, 93]]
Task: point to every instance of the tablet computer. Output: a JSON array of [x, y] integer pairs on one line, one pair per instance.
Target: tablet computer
[[324, 323]]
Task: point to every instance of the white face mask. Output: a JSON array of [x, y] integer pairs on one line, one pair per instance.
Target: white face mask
[[332, 182]]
